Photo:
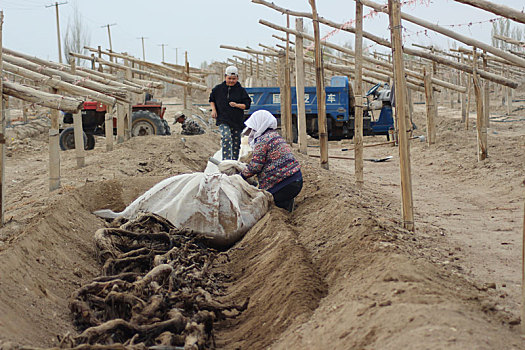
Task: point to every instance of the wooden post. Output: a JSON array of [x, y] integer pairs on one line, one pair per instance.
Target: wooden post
[[108, 126], [79, 139], [121, 114], [282, 93], [2, 130], [523, 274], [431, 108], [321, 93], [100, 68], [187, 88], [257, 71], [358, 115], [185, 70], [469, 98], [463, 96], [480, 115], [24, 111], [299, 88], [486, 95], [77, 125], [54, 149], [404, 146], [287, 87], [509, 101]]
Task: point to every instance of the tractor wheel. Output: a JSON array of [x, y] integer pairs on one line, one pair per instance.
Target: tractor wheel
[[90, 144], [67, 139], [167, 130], [146, 123]]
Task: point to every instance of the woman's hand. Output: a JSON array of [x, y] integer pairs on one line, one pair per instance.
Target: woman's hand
[[237, 105]]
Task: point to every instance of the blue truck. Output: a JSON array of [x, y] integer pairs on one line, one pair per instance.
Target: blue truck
[[340, 103]]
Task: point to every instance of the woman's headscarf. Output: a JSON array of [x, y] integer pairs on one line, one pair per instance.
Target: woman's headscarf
[[259, 122]]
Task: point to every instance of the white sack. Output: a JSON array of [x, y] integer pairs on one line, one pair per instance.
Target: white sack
[[218, 206]]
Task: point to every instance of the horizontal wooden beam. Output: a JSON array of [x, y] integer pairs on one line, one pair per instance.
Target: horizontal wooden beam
[[149, 74], [59, 84], [42, 68], [155, 66], [451, 34], [63, 103], [383, 42], [500, 10], [251, 51]]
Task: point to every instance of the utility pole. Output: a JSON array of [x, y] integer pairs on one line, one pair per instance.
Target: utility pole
[[143, 49], [163, 51], [58, 29], [109, 36], [177, 55]]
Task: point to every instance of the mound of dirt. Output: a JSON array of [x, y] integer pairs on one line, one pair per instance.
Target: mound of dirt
[[334, 274], [337, 273]]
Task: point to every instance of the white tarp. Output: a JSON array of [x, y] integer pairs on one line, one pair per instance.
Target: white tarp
[[218, 206]]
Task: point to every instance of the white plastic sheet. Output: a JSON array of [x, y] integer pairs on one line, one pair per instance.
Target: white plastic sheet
[[218, 206]]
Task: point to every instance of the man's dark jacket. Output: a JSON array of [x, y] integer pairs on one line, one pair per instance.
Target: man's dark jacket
[[222, 95]]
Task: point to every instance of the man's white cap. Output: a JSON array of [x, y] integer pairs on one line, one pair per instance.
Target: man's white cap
[[231, 70]]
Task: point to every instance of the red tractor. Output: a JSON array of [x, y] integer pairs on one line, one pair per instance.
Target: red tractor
[[146, 119]]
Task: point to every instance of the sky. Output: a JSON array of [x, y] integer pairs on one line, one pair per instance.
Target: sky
[[201, 26]]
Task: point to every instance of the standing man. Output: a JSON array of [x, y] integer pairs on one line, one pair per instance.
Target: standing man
[[228, 101]]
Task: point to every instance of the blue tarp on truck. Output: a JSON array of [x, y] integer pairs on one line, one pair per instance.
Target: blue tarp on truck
[[339, 109]]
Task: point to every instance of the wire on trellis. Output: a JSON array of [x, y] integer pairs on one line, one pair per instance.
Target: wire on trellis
[[468, 24], [369, 15]]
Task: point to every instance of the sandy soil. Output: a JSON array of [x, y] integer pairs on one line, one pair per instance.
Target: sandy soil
[[339, 272]]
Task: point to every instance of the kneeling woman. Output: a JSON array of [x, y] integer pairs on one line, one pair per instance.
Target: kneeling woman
[[273, 162]]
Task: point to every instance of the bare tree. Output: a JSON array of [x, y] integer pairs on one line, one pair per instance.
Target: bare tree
[[77, 34]]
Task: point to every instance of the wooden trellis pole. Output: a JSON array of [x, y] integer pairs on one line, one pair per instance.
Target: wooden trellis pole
[[497, 9], [466, 68], [2, 128], [78, 130], [67, 77], [518, 61], [321, 94], [152, 75], [404, 146], [299, 88], [358, 115], [486, 95], [108, 126], [480, 116], [51, 100], [493, 77], [431, 108], [121, 115], [462, 95], [523, 274], [287, 85], [54, 150]]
